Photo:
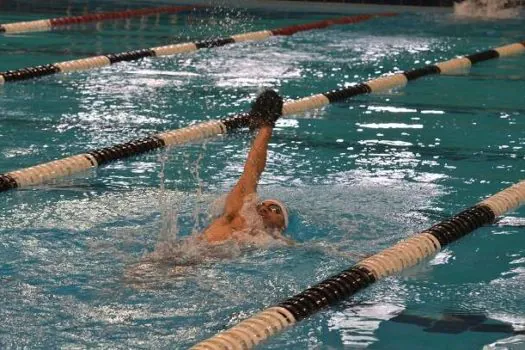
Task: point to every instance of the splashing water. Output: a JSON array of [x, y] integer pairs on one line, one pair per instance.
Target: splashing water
[[174, 257], [489, 9], [168, 210]]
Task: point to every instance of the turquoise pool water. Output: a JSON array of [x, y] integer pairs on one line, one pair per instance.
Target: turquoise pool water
[[358, 176]]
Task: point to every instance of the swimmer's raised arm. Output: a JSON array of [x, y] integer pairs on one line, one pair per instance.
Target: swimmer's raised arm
[[265, 111], [253, 169]]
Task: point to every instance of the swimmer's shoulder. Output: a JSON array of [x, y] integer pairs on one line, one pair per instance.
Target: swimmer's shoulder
[[222, 228]]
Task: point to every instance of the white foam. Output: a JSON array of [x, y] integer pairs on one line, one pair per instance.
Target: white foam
[[442, 258], [489, 9], [514, 342]]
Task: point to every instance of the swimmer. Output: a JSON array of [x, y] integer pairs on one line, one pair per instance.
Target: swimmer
[[245, 219], [244, 222]]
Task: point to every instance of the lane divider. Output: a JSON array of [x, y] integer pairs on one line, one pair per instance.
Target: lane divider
[[48, 24], [409, 252], [399, 80], [76, 164], [106, 60], [44, 172]]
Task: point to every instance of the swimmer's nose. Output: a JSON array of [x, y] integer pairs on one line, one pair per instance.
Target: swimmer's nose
[[263, 210]]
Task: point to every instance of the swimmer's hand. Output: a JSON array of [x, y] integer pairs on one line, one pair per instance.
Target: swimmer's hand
[[266, 109]]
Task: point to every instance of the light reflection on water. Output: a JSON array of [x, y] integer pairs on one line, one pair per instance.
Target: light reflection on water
[[357, 327]]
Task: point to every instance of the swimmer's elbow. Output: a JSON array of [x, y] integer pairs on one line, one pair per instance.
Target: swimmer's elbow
[[229, 217]]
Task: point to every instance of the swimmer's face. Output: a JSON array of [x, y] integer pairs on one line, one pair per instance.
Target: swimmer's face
[[272, 215]]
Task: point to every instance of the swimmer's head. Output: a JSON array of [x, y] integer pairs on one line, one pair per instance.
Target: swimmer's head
[[274, 214]]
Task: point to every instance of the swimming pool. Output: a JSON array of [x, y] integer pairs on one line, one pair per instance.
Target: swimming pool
[[358, 177]]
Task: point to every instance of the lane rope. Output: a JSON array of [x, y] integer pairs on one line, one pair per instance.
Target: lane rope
[[407, 253], [109, 59], [48, 24], [398, 80], [47, 171]]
